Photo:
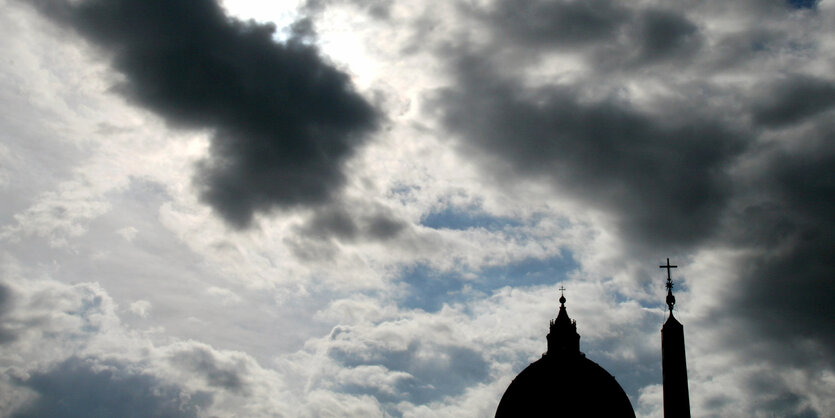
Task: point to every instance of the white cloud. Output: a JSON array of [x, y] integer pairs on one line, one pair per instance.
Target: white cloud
[[128, 233], [225, 295], [141, 308]]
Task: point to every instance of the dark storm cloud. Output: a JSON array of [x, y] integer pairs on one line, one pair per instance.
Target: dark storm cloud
[[80, 388], [664, 34], [284, 119], [794, 99], [788, 292], [685, 177], [803, 4], [666, 181], [615, 34]]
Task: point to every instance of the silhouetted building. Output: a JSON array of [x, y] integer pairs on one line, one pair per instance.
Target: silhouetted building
[[564, 382], [673, 360]]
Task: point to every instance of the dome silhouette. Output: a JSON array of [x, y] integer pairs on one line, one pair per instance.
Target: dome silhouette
[[564, 383], [564, 387]]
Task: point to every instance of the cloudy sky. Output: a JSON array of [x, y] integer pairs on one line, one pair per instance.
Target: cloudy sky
[[333, 208]]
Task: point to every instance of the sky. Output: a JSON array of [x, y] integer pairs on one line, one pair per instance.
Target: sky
[[335, 208]]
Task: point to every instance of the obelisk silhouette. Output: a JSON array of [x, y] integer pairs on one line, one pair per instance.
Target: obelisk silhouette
[[673, 360]]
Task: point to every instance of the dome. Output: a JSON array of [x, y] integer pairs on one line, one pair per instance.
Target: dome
[[564, 386], [564, 383]]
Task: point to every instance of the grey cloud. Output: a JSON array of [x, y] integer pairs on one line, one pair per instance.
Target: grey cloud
[[383, 226], [203, 362], [665, 34], [82, 388], [740, 48], [284, 119], [303, 29], [665, 180], [559, 23], [352, 221], [779, 400], [346, 222], [332, 221], [651, 37], [436, 371], [6, 334], [380, 9], [794, 99]]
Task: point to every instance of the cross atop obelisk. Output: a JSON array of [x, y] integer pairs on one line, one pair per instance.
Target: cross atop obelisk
[[668, 267], [671, 300]]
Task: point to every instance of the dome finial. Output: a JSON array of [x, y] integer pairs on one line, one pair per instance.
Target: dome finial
[[562, 297], [671, 300]]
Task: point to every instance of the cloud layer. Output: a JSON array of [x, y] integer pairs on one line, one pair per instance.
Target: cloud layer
[[518, 147]]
